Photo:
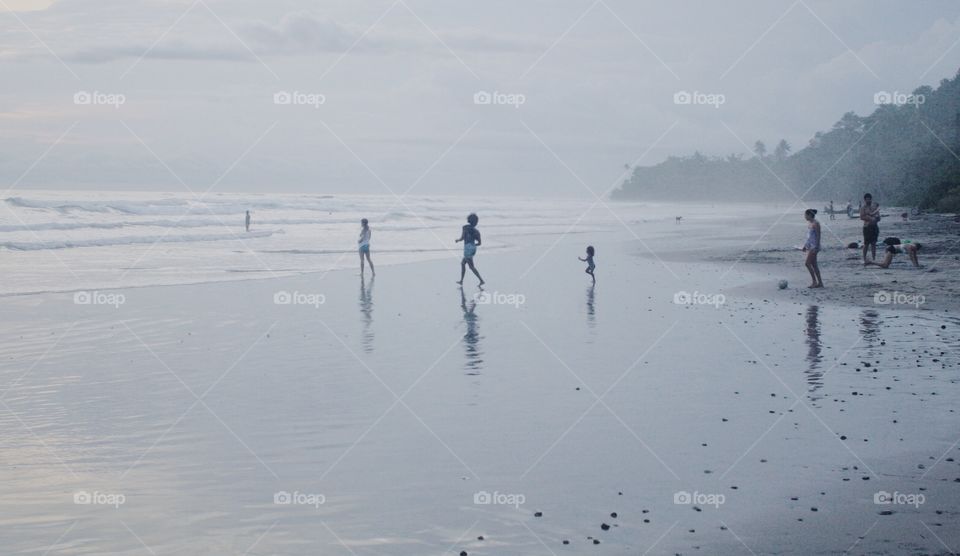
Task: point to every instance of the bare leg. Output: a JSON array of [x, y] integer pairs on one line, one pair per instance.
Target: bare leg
[[873, 251], [372, 271], [885, 264], [463, 270], [865, 247], [361, 264], [474, 269], [594, 278]]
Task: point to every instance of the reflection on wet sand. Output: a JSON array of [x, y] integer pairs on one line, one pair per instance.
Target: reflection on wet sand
[[591, 308], [814, 350], [366, 311], [870, 327], [471, 339]]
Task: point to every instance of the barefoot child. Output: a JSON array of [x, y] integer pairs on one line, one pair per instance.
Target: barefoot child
[[471, 240], [812, 247], [590, 264], [364, 243]]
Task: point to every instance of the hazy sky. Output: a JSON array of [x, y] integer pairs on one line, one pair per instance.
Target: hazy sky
[[591, 82]]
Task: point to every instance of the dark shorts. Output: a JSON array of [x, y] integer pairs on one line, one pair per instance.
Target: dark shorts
[[871, 233]]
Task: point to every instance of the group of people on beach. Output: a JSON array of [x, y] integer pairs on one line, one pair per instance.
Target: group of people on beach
[[870, 217], [469, 235]]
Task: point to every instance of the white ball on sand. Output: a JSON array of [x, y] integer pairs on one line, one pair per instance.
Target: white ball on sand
[[782, 284]]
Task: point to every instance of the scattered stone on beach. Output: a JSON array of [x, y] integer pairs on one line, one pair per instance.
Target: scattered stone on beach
[[537, 514], [596, 541], [565, 541], [604, 526], [480, 538], [814, 509], [613, 515], [697, 509], [463, 553]]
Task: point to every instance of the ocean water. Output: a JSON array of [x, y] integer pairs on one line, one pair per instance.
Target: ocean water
[[61, 241], [65, 241]]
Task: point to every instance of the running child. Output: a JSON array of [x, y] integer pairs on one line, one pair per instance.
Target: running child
[[470, 236], [590, 263]]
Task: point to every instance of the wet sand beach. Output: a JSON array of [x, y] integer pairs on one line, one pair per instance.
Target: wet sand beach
[[677, 407]]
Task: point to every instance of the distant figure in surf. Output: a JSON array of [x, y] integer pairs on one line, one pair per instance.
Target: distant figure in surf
[[471, 240], [811, 247], [248, 221], [364, 242], [832, 213], [590, 264]]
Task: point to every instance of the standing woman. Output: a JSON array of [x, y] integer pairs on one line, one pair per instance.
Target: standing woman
[[812, 247], [364, 243]]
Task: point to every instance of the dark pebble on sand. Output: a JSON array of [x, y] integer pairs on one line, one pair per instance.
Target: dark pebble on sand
[[463, 553], [566, 542], [613, 515], [596, 541], [604, 526], [537, 514], [697, 509], [814, 509], [886, 512], [843, 437], [480, 538]]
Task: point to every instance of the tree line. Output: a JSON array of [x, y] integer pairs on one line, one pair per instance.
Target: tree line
[[907, 152]]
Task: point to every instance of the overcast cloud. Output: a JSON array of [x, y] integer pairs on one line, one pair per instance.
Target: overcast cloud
[[584, 87]]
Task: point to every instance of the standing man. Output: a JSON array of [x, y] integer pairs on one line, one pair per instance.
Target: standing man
[[870, 215], [248, 221]]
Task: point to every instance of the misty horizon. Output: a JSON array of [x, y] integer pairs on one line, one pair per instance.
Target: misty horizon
[[399, 95]]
